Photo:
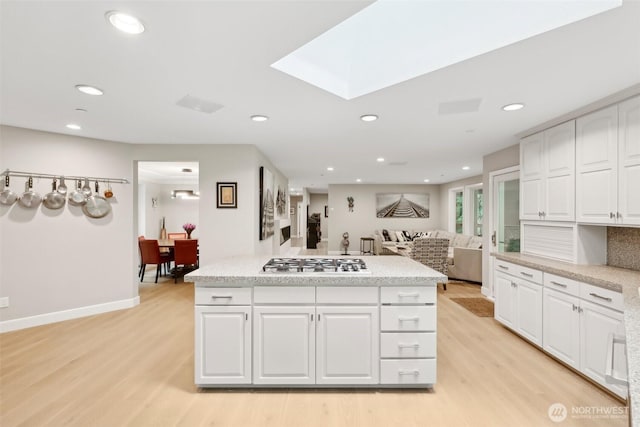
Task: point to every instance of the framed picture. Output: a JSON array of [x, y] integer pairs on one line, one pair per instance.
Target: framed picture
[[326, 211], [227, 194], [402, 205], [267, 204]]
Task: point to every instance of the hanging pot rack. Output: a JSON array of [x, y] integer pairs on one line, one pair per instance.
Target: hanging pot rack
[[8, 172]]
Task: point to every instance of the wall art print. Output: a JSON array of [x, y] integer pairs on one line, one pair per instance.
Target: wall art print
[[267, 203], [281, 202], [399, 205]]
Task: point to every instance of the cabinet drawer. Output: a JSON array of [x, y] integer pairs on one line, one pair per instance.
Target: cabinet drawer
[[284, 295], [601, 296], [346, 295], [408, 318], [562, 284], [408, 371], [408, 295], [408, 344], [519, 271], [223, 296]]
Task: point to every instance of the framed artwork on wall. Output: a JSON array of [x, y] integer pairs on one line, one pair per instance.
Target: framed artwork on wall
[[227, 195], [267, 204], [397, 205]]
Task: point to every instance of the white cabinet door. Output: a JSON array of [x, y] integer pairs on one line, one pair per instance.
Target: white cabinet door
[[222, 345], [629, 162], [559, 184], [532, 169], [284, 345], [529, 311], [596, 166], [561, 326], [347, 345], [505, 292], [596, 323]]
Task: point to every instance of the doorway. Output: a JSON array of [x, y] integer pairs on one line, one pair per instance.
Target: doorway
[[504, 218]]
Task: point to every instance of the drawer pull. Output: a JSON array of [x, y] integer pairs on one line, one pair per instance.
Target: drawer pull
[[559, 284], [503, 266], [600, 297], [408, 294], [409, 319], [221, 296], [411, 372], [526, 274], [414, 345]]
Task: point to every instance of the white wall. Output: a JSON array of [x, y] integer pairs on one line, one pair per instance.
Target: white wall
[[362, 222], [293, 202], [61, 260], [176, 211], [317, 203]]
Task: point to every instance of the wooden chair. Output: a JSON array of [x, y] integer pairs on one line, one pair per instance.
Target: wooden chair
[[185, 255], [150, 252], [433, 253], [140, 238]]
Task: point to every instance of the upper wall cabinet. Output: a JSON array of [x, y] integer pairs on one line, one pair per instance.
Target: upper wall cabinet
[[608, 165], [547, 177]]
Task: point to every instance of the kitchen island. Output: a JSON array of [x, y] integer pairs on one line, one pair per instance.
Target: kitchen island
[[374, 327]]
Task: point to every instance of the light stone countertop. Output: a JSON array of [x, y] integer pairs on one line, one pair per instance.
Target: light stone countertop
[[247, 271], [617, 279]]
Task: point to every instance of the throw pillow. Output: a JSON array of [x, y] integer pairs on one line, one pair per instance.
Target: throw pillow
[[406, 235], [400, 236], [385, 234]]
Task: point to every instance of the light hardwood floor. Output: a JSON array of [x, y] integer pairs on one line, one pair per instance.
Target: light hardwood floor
[[135, 368]]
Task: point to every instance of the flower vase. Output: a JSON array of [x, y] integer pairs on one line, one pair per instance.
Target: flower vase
[[188, 234]]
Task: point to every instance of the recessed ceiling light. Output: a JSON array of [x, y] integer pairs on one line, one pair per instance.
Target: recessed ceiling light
[[73, 126], [330, 169], [368, 117], [126, 23], [89, 90], [259, 118], [465, 168], [513, 107], [358, 180], [426, 180], [380, 159]]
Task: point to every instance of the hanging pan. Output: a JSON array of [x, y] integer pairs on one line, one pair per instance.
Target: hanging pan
[[30, 199], [7, 197], [55, 199], [77, 196], [96, 205]]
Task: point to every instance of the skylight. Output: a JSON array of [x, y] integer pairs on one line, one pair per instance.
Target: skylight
[[391, 41]]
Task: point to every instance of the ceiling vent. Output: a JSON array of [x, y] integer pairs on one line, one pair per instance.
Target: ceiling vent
[[459, 107], [198, 104], [398, 163]]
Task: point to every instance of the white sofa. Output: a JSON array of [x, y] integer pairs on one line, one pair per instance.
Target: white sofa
[[465, 252]]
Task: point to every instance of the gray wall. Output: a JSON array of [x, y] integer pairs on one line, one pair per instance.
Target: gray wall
[[363, 222]]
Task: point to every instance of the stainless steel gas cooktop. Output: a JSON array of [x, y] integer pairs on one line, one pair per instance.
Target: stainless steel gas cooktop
[[316, 265]]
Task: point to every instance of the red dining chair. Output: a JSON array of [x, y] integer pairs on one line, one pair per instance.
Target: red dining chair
[[150, 252], [185, 254], [140, 238]]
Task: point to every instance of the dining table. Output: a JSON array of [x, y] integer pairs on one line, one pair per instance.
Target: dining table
[[169, 243]]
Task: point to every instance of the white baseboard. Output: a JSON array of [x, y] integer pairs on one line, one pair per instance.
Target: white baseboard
[[59, 316]]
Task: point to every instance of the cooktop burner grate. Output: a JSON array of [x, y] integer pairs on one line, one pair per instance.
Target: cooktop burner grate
[[316, 265]]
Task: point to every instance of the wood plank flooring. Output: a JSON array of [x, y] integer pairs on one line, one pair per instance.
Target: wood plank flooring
[[135, 368]]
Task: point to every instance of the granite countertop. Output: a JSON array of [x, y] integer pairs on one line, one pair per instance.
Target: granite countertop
[[247, 271], [617, 279]]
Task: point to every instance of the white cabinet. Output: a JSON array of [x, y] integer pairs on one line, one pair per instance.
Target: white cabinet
[[561, 326], [596, 324], [284, 345], [222, 345], [529, 310], [547, 177], [505, 300], [608, 165], [347, 345]]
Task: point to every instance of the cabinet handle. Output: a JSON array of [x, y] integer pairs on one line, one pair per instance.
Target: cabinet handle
[[503, 266], [311, 317], [414, 345], [539, 214], [513, 284], [408, 319], [600, 297], [526, 274], [573, 307], [611, 215], [246, 316], [408, 294], [221, 296], [558, 284], [318, 317], [618, 215], [411, 372], [544, 214]]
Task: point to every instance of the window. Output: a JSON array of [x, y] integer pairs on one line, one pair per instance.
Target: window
[[459, 211], [478, 211], [466, 207]]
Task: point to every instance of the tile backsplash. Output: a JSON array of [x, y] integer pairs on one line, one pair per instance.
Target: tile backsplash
[[623, 247]]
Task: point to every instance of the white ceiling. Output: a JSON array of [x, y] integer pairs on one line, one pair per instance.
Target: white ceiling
[[221, 51], [169, 172]]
